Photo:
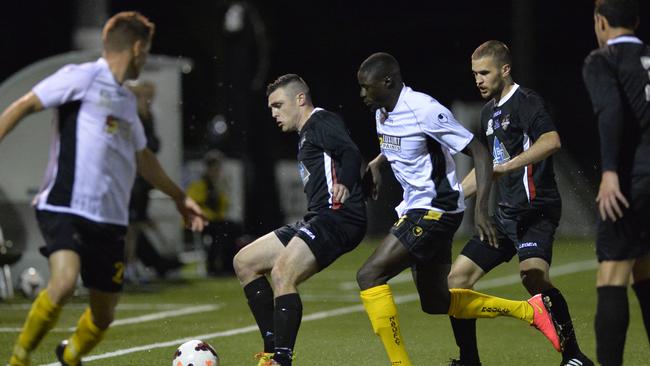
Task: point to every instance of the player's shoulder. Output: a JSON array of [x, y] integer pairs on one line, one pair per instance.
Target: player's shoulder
[[528, 96], [86, 70], [597, 59], [424, 105]]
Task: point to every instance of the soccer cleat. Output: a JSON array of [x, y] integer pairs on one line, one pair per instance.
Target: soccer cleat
[[544, 322], [60, 348], [578, 360], [263, 358]]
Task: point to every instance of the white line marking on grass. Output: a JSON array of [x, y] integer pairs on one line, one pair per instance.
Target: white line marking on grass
[[120, 307], [496, 282], [139, 319]]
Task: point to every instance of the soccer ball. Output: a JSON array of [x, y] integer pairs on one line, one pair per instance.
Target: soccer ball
[[31, 282], [195, 353]]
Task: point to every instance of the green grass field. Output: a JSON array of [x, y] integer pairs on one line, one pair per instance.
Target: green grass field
[[335, 330]]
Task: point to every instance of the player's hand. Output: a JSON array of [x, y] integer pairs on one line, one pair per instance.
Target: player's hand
[[499, 170], [192, 214], [485, 228], [340, 193], [610, 197]]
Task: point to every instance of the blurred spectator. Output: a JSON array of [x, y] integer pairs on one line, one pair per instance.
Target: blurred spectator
[[138, 245], [221, 236]]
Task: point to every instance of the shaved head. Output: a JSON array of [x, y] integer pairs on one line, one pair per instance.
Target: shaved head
[[380, 65]]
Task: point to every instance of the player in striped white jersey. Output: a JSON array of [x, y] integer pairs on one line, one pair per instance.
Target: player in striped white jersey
[[82, 208], [417, 136]]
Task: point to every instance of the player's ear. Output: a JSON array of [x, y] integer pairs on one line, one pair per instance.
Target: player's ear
[[601, 22], [301, 98], [505, 70], [388, 81]]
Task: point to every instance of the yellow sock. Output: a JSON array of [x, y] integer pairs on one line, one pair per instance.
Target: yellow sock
[[382, 312], [469, 304], [41, 318], [85, 338]]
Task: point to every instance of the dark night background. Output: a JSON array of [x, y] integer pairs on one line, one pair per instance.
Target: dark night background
[[325, 41]]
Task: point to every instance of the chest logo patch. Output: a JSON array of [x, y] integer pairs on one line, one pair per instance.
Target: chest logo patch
[[393, 143]]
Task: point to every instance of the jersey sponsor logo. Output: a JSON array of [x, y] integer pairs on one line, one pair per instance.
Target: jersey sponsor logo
[[304, 173], [112, 125], [499, 152], [393, 143], [529, 244], [645, 62], [490, 128], [308, 232]]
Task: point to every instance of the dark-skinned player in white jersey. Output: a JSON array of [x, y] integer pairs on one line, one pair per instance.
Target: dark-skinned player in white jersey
[[617, 76], [418, 136], [519, 131]]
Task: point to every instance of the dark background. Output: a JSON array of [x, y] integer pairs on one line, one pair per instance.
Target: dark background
[[325, 41]]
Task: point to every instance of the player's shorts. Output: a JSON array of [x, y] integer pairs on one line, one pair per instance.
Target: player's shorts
[[528, 235], [629, 237], [100, 246], [329, 235], [427, 234]]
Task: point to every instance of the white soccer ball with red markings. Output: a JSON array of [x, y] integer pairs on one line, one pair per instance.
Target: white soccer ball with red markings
[[195, 353]]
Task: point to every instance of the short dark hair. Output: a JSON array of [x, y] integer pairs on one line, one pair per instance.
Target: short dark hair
[[495, 49], [380, 65], [293, 80], [619, 13], [123, 29]]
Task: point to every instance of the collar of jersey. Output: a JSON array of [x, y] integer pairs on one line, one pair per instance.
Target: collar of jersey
[[402, 95], [104, 64], [624, 39], [512, 91]]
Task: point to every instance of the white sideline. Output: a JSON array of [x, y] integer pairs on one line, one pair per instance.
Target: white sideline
[[560, 270], [138, 319]]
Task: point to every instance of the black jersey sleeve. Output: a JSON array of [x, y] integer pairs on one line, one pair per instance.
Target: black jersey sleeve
[[602, 85], [534, 114], [333, 137]]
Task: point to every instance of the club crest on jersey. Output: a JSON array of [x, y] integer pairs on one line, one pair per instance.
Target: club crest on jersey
[[304, 173], [112, 125], [505, 122], [442, 118], [393, 143]]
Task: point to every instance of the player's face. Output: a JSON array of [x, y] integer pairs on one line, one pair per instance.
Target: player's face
[[488, 77], [284, 110], [374, 91], [140, 53]]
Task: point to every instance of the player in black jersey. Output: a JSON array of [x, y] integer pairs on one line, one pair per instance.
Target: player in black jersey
[[518, 130], [617, 76], [329, 163]]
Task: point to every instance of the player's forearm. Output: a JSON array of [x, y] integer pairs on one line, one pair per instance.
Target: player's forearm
[[150, 169], [545, 146], [483, 173], [18, 110], [469, 184], [611, 136], [377, 161]]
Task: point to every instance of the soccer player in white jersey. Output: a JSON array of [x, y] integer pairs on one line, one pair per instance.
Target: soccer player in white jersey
[[417, 136], [82, 208]]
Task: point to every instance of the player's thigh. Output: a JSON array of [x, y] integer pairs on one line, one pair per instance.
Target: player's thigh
[[295, 264], [102, 305], [389, 259], [464, 273], [614, 273], [65, 266], [431, 283], [260, 255], [487, 257]]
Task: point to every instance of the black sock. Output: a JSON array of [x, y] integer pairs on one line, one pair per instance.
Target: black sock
[[260, 299], [560, 311], [465, 334], [612, 319], [642, 290], [288, 314]]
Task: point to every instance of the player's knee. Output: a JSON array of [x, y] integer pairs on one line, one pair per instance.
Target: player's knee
[[368, 277], [103, 319], [61, 289], [535, 281], [244, 268], [457, 279], [280, 279]]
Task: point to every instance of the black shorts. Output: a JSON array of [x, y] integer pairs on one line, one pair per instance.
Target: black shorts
[[329, 235], [629, 237], [427, 234], [528, 235], [100, 246]]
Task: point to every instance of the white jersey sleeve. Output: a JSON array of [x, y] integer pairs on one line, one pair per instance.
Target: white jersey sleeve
[[139, 137], [441, 125], [68, 84]]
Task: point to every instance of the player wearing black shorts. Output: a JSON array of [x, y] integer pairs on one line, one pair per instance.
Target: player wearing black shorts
[[82, 207], [418, 136], [617, 76], [519, 131], [329, 164]]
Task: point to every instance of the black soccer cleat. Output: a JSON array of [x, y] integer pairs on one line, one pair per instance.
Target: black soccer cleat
[[577, 360], [60, 348]]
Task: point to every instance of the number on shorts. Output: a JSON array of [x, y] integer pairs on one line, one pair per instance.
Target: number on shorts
[[119, 272]]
